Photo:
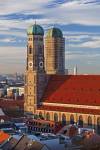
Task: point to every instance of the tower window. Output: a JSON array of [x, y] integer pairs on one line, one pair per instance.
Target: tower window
[[35, 38], [40, 49], [34, 89], [25, 78], [30, 50], [30, 39], [41, 39], [34, 78]]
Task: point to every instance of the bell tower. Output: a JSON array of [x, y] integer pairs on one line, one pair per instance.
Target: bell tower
[[35, 72], [54, 52]]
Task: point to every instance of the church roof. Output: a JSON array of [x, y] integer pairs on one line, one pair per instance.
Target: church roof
[[73, 89]]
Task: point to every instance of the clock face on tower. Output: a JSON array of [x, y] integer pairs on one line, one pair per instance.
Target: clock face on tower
[[41, 62], [30, 64]]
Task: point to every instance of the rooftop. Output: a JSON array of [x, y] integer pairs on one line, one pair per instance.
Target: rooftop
[[73, 89], [3, 137]]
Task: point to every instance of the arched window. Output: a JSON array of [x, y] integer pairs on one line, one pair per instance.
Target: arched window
[[56, 117], [30, 50], [71, 119], [25, 79], [80, 122], [40, 115], [48, 116], [90, 121], [40, 49], [63, 119], [98, 125]]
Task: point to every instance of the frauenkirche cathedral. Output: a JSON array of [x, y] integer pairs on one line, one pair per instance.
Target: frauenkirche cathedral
[[49, 92]]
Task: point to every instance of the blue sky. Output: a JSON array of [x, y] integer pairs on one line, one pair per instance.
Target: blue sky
[[78, 19]]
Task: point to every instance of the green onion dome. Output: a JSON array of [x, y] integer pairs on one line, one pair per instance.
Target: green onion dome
[[54, 32], [35, 30]]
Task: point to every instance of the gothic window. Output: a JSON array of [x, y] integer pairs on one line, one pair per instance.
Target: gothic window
[[98, 125], [25, 79], [35, 38], [34, 89], [80, 121], [48, 116], [30, 39], [56, 117], [71, 119], [34, 78], [30, 50], [98, 121], [40, 49], [63, 119], [40, 115], [89, 121]]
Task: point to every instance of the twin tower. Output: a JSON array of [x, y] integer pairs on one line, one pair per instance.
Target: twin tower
[[45, 57]]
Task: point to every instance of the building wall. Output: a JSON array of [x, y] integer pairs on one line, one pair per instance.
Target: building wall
[[76, 116]]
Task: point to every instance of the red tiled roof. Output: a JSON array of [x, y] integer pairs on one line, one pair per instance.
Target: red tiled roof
[[3, 137], [73, 89], [69, 109]]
